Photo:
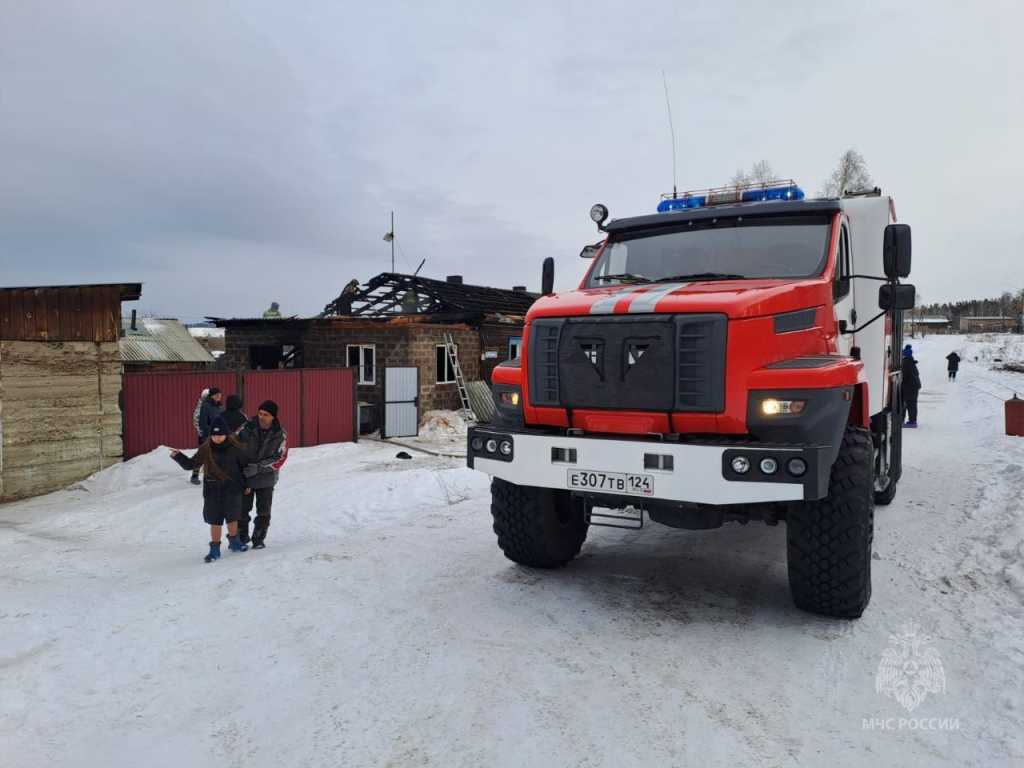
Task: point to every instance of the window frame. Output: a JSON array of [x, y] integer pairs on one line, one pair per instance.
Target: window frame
[[361, 380], [447, 364], [842, 282], [518, 342]]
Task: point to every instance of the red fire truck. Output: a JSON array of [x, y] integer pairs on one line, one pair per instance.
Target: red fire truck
[[733, 357]]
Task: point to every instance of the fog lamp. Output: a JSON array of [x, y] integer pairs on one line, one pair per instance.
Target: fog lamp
[[796, 467], [741, 465], [491, 445], [478, 443], [769, 465], [505, 447], [770, 406]]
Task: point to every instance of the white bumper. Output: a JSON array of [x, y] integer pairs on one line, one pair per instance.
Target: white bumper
[[697, 475]]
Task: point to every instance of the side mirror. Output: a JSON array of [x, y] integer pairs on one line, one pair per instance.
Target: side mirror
[[547, 277], [892, 296], [590, 251], [896, 250]]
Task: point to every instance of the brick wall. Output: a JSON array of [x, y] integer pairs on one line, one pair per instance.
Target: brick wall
[[495, 337], [325, 343]]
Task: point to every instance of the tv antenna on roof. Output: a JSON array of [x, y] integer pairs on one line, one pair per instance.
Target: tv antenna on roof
[[671, 130]]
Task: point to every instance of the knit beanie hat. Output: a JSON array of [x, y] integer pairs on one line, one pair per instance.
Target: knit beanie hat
[[270, 407], [219, 427], [908, 351]]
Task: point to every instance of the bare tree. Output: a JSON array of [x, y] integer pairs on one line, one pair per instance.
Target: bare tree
[[850, 175], [760, 172], [740, 178]]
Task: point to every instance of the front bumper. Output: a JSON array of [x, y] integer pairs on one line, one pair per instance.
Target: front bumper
[[691, 472]]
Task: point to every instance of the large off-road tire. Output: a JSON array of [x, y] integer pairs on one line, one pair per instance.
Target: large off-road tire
[[829, 541], [538, 527]]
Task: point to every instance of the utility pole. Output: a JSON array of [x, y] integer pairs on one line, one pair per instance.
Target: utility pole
[[389, 237]]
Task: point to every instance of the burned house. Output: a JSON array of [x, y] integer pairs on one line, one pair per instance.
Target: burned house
[[394, 321]]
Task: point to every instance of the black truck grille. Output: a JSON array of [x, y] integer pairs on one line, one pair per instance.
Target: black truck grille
[[641, 362]]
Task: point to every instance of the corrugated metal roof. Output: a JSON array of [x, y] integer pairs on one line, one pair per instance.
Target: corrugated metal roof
[[160, 341]]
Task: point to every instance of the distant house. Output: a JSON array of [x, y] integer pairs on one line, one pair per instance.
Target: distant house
[[394, 320], [988, 324], [60, 382], [151, 344], [925, 324], [210, 337]]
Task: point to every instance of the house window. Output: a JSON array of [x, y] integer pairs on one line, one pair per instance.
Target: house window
[[513, 347], [363, 357], [445, 369]]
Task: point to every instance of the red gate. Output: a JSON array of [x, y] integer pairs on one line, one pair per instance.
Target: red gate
[[315, 406]]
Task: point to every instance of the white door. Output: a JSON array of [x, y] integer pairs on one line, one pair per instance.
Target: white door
[[843, 289], [401, 402]]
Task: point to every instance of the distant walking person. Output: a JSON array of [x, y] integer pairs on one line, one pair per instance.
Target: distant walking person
[[233, 414], [222, 459], [954, 364], [911, 386], [207, 409], [267, 444]]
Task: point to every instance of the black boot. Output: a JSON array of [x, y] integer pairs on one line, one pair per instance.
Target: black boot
[[259, 534], [243, 530]]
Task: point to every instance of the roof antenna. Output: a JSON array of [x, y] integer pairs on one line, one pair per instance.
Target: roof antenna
[[672, 131]]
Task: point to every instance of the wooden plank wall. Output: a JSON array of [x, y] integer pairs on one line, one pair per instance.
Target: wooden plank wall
[[75, 313], [60, 420]]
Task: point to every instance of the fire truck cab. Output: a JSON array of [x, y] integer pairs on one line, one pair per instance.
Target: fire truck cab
[[733, 357]]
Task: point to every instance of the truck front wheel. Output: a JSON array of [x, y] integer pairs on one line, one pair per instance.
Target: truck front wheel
[[829, 541], [537, 527]]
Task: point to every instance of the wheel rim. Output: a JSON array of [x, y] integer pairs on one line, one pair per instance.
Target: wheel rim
[[882, 455]]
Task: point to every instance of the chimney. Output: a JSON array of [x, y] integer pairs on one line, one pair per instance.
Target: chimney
[[519, 288], [454, 279]]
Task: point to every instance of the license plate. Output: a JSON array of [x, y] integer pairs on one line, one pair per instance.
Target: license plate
[[613, 482]]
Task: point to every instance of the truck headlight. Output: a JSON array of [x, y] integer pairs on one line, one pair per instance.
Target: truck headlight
[[771, 406]]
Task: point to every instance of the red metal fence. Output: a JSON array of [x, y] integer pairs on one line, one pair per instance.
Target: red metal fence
[[315, 406]]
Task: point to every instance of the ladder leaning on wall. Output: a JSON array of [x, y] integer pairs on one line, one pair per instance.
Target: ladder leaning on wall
[[453, 357]]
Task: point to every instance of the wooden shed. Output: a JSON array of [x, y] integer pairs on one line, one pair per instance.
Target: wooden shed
[[60, 381]]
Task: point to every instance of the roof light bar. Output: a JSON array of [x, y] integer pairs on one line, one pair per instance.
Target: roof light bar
[[781, 189]]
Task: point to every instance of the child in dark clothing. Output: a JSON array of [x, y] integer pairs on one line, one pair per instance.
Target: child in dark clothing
[[953, 365], [222, 459]]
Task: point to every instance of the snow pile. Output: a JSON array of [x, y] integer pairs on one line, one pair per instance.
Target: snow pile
[[443, 425], [133, 473], [991, 348]]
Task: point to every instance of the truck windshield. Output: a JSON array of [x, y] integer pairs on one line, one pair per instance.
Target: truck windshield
[[737, 248]]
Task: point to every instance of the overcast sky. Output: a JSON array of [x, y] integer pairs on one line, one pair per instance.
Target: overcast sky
[[228, 154]]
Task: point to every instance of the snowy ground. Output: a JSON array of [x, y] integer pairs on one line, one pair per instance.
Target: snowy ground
[[381, 626]]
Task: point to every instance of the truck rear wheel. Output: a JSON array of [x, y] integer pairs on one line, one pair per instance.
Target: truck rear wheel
[[829, 540], [538, 527]]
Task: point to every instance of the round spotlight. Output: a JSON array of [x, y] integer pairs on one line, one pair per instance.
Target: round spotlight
[[598, 213], [505, 447], [492, 445], [769, 465], [741, 465], [771, 407], [796, 467], [478, 443]]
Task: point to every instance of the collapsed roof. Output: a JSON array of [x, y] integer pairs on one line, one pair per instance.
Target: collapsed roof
[[389, 294]]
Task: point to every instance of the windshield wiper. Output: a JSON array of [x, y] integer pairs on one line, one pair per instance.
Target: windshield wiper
[[625, 277], [701, 276]]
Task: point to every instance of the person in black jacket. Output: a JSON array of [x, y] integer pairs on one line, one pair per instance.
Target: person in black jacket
[[233, 414], [911, 386], [223, 459], [953, 364], [208, 408], [267, 443]]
